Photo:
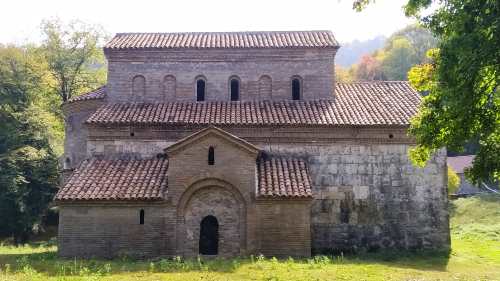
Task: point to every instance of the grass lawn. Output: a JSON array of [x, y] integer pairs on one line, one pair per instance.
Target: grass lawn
[[475, 232]]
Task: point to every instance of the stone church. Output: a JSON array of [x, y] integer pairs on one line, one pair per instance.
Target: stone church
[[238, 143]]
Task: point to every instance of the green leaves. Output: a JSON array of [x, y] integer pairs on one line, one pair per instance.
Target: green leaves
[[462, 82], [74, 57]]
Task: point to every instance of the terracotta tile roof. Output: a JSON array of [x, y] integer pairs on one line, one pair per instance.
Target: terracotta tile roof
[[359, 104], [98, 93], [262, 39], [116, 180], [281, 177]]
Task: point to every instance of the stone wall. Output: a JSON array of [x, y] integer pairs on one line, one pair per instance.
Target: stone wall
[[369, 197], [226, 208], [264, 73], [367, 193], [111, 230]]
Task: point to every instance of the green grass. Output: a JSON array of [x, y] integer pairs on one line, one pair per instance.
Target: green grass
[[475, 228]]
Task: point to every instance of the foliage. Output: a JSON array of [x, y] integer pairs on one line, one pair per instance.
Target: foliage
[[462, 79], [453, 181], [27, 163], [351, 52], [343, 75], [34, 81], [475, 240], [74, 57], [404, 49]]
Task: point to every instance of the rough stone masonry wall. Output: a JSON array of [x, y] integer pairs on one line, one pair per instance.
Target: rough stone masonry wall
[[171, 75], [108, 231], [369, 196]]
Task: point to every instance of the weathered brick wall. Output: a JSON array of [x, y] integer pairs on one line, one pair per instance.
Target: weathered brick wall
[[109, 230], [370, 196], [284, 228], [233, 176], [367, 193], [76, 133], [163, 69]]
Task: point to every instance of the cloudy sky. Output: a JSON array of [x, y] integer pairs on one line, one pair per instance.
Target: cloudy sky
[[20, 19]]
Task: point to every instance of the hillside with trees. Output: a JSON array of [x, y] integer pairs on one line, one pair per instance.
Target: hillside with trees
[[34, 82], [401, 51]]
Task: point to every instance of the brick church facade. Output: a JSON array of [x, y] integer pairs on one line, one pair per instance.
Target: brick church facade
[[231, 144]]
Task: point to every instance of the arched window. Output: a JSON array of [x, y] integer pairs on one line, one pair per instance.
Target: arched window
[[209, 236], [200, 89], [211, 155], [141, 217], [169, 87], [296, 88], [234, 88], [138, 86], [265, 87]]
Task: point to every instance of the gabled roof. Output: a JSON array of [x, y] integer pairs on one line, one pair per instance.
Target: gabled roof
[[99, 93], [354, 104], [117, 180], [283, 177], [212, 131], [224, 40]]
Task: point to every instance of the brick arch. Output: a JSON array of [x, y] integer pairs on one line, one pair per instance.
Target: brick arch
[[217, 198], [138, 87], [169, 86]]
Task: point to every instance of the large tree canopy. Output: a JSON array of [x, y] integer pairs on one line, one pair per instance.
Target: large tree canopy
[[34, 81], [461, 81], [74, 56], [28, 166]]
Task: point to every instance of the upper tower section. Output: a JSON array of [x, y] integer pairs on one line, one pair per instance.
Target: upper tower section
[[226, 66]]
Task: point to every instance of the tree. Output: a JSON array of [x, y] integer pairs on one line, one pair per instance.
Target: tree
[[369, 69], [462, 81], [398, 59], [402, 50], [453, 181], [28, 165], [74, 57]]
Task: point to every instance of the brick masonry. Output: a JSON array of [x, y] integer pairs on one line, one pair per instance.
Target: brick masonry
[[366, 194]]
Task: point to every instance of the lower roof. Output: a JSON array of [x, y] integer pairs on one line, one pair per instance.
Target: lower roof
[[115, 180], [354, 104]]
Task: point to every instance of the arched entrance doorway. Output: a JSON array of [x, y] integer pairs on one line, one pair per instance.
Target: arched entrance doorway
[[209, 236], [215, 198]]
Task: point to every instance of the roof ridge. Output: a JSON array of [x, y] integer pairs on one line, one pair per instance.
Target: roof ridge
[[225, 32]]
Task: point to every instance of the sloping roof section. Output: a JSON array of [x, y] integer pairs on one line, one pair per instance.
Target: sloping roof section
[[214, 131], [357, 104], [116, 180], [99, 93], [223, 40], [460, 163], [281, 177]]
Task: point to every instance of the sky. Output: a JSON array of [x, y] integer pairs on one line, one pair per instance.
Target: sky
[[20, 19]]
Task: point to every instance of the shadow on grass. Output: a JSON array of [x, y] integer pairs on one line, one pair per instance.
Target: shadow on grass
[[50, 264]]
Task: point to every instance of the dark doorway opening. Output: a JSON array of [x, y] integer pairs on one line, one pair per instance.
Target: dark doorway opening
[[209, 236]]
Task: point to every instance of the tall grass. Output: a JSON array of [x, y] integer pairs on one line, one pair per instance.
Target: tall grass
[[475, 229]]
